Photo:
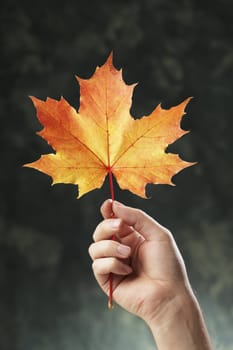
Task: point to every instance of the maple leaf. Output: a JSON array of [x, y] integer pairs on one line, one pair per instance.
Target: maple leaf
[[102, 137]]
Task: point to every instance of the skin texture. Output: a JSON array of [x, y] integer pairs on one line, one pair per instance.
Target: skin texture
[[150, 278]]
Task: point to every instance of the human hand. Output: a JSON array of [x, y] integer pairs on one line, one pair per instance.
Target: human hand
[[149, 276], [147, 265]]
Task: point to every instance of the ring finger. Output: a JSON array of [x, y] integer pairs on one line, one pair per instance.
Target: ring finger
[[109, 248], [105, 266]]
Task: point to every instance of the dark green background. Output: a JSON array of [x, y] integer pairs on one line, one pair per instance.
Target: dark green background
[[174, 49]]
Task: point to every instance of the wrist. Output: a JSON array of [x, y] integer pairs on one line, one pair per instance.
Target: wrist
[[179, 324], [176, 300]]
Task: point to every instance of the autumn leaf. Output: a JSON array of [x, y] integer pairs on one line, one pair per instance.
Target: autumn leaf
[[102, 138]]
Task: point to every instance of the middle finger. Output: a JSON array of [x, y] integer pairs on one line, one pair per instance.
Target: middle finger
[[111, 227], [109, 248]]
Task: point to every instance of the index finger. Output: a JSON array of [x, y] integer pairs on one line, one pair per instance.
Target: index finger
[[149, 228], [110, 228], [106, 209]]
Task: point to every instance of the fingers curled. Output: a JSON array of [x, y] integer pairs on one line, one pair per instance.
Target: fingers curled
[[109, 248], [104, 266], [111, 227]]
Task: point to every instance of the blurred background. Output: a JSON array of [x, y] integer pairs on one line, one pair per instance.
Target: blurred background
[[48, 297]]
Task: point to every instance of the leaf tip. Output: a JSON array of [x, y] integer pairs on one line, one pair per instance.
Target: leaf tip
[[185, 102], [34, 100], [110, 56]]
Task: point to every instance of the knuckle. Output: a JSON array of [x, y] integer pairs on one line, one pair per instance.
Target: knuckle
[[141, 216], [98, 230], [168, 236], [96, 266], [95, 234], [90, 250], [168, 233], [139, 212]]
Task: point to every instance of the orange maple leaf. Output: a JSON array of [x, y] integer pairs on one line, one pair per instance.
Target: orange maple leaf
[[102, 137]]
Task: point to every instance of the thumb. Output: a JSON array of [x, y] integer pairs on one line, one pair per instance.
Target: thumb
[[144, 224]]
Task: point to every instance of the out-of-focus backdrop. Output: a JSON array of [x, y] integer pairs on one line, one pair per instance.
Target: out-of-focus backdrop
[[48, 297]]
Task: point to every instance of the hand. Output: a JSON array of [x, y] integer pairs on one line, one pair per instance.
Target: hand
[[150, 278], [147, 266]]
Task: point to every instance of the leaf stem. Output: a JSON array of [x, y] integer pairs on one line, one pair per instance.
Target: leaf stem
[[111, 184], [110, 297]]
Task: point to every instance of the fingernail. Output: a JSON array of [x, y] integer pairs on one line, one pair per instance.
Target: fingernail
[[114, 223], [123, 250], [128, 269]]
